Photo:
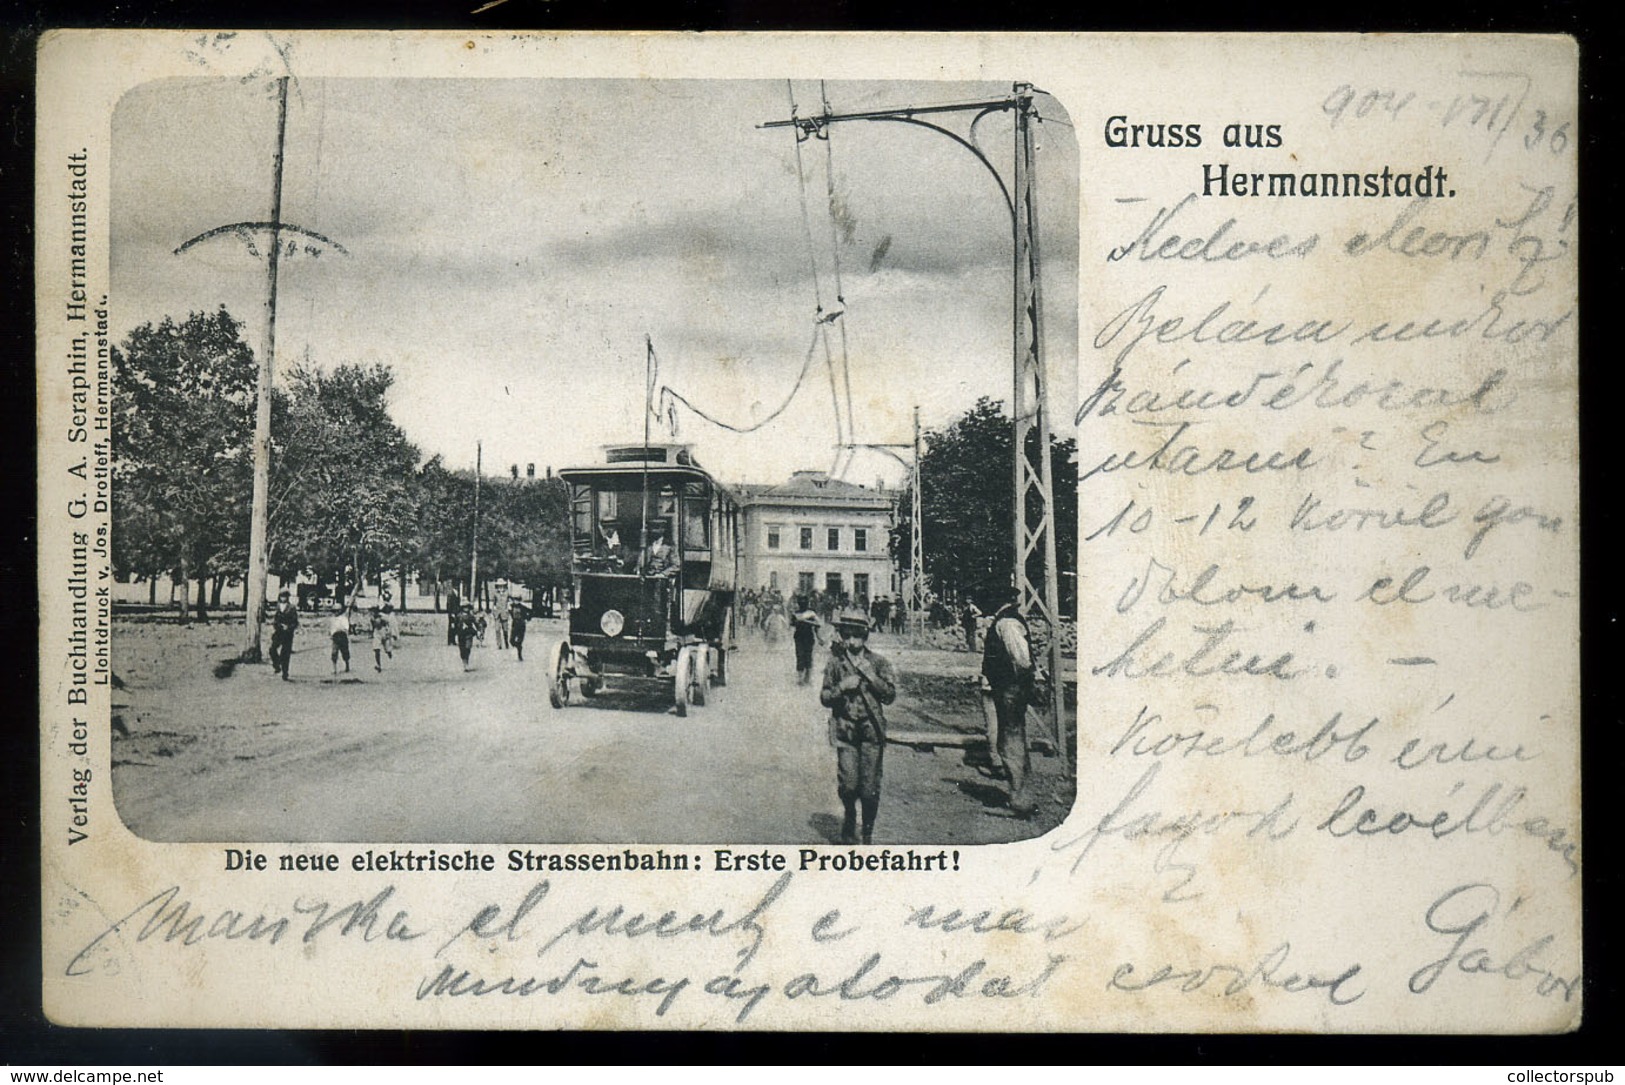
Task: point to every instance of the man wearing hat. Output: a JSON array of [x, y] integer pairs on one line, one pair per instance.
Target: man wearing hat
[[857, 682], [284, 620]]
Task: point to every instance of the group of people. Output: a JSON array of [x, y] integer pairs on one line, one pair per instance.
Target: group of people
[[465, 625], [766, 611], [284, 618], [858, 683]]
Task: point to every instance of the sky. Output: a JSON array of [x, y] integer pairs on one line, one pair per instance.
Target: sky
[[508, 245]]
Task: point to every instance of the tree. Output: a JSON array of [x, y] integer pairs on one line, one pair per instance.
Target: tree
[[182, 420], [967, 507], [440, 547], [523, 528], [343, 502]]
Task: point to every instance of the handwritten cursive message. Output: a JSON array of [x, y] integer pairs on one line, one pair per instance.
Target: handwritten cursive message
[[1326, 450]]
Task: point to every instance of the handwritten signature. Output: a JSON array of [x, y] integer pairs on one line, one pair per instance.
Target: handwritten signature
[[1468, 912]]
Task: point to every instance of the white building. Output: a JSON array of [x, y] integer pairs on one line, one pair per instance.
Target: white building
[[815, 533]]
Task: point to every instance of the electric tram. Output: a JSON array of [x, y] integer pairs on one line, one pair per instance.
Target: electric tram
[[654, 562]]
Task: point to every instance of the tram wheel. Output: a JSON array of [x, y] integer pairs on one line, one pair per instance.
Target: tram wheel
[[688, 679], [558, 689], [679, 680]]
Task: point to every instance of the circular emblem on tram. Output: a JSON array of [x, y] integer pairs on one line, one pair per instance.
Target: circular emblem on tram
[[612, 623]]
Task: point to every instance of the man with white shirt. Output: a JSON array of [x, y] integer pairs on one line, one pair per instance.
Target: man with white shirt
[[1007, 664]]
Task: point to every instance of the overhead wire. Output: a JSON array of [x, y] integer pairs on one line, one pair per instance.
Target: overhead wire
[[840, 293], [670, 397], [822, 321], [845, 429]]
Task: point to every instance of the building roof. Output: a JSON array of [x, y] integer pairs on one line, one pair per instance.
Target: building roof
[[813, 488]]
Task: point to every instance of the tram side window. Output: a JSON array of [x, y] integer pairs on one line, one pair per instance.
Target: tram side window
[[608, 536], [581, 519], [696, 517]]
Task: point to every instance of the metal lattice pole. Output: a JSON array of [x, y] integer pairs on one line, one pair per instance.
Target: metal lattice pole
[[1035, 574], [1036, 577]]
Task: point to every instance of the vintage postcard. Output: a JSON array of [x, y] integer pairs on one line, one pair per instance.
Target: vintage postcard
[[809, 532]]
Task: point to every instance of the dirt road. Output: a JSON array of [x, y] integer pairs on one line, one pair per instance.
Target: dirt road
[[423, 752]]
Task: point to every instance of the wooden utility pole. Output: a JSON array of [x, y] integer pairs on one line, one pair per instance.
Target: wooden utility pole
[[258, 524], [259, 514], [916, 548], [474, 542]]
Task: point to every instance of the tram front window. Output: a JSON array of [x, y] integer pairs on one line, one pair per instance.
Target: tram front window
[[619, 531]]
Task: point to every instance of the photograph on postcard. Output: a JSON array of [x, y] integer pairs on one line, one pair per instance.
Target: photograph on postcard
[[607, 420], [919, 532]]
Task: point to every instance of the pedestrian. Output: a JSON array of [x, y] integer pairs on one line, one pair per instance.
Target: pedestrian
[[967, 620], [1007, 664], [807, 632], [466, 628], [519, 616], [453, 611], [503, 615], [857, 682], [284, 620], [383, 636], [338, 630]]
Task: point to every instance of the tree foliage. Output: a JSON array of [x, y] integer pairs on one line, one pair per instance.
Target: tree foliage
[[342, 475], [967, 507], [348, 500], [523, 527], [182, 422]]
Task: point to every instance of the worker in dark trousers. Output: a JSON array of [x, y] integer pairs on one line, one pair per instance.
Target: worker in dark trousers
[[1007, 664], [454, 612], [857, 682]]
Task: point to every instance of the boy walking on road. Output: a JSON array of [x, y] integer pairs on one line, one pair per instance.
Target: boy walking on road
[[339, 631], [857, 682], [383, 636], [466, 626]]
